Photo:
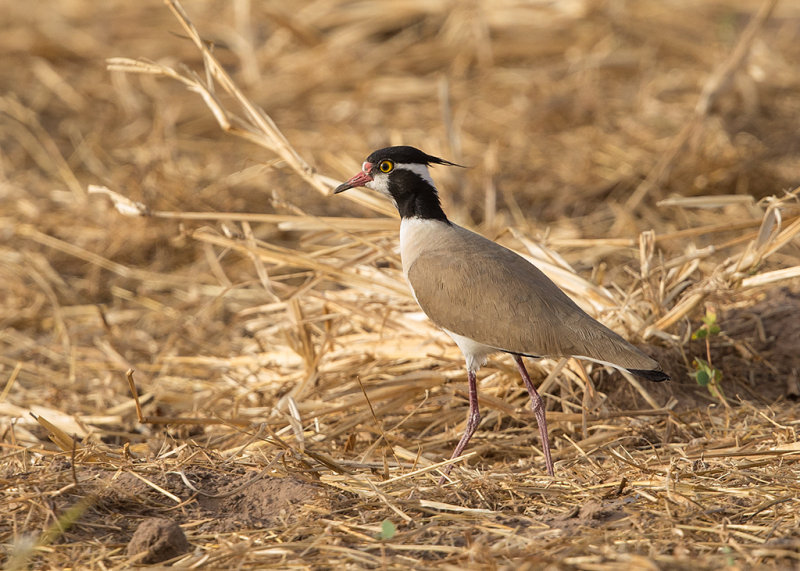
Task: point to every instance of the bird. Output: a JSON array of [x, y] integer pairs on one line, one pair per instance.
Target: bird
[[486, 297]]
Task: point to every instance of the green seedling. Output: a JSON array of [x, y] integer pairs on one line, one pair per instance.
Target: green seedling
[[705, 373], [388, 529]]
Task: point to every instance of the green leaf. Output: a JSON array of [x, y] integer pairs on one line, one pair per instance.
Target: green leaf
[[388, 529], [702, 378], [701, 333], [710, 318], [713, 329]]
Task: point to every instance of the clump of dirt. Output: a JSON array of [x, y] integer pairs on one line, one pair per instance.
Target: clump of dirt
[[160, 539], [263, 503], [593, 513], [223, 501], [600, 511]]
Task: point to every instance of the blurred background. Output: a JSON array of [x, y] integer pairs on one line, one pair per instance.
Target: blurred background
[[561, 109]]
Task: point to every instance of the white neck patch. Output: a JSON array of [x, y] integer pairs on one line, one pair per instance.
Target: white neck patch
[[420, 170]]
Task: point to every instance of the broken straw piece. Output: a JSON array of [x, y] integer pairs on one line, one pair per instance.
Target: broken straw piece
[[123, 204]]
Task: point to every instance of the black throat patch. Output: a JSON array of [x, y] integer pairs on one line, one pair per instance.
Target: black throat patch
[[415, 197]]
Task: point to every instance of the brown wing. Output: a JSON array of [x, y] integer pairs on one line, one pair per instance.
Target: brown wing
[[481, 290]]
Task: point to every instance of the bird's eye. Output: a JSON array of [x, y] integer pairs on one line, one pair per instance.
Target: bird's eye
[[386, 166]]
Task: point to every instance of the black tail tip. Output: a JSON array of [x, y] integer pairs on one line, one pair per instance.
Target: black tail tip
[[656, 376]]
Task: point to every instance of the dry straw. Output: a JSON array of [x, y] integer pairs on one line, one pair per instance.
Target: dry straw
[[319, 398]]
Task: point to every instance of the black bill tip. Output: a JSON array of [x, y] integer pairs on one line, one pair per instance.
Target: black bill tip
[[341, 188]]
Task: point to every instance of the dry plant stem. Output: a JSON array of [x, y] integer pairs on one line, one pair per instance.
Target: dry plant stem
[[473, 419], [135, 393], [10, 381], [258, 127], [537, 405], [272, 137]]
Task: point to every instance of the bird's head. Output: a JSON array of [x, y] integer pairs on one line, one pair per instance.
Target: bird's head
[[392, 169]]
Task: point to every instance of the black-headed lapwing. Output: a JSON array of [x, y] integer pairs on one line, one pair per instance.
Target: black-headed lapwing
[[484, 296]]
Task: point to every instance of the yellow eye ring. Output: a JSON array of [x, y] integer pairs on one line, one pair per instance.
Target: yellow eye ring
[[386, 166]]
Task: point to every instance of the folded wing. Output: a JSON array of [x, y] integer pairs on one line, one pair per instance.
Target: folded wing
[[470, 285]]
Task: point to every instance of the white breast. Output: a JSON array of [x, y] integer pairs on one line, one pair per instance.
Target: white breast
[[417, 234]]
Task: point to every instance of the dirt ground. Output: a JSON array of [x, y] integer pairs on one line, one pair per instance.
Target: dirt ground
[[294, 403]]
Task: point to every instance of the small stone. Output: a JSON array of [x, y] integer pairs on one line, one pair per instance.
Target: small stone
[[160, 538]]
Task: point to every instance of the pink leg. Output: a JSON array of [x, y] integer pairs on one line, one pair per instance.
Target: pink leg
[[537, 404], [472, 422]]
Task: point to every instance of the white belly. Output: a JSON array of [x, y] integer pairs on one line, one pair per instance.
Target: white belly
[[474, 353]]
